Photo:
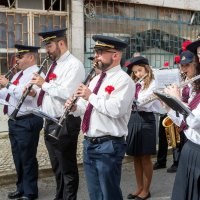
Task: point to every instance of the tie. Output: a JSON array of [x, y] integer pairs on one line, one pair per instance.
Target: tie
[[86, 118], [42, 92], [5, 108], [185, 94], [138, 88]]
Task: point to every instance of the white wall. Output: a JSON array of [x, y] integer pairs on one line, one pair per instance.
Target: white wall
[[180, 4]]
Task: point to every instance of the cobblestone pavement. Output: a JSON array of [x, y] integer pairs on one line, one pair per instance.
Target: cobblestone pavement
[[160, 189], [7, 168]]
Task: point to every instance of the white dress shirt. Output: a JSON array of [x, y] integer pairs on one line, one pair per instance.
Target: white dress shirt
[[70, 73], [16, 92], [154, 106], [193, 122], [111, 112]]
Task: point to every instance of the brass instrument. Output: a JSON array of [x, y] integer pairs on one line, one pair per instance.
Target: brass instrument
[[172, 132], [153, 97], [58, 130], [23, 97]]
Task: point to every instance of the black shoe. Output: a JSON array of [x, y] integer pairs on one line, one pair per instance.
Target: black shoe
[[158, 166], [15, 195], [143, 198], [172, 169], [131, 196]]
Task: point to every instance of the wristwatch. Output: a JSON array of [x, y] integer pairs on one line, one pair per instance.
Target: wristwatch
[[8, 84]]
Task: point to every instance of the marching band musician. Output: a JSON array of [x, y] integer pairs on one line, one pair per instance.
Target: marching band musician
[[24, 131], [106, 106], [62, 79], [141, 139], [186, 185]]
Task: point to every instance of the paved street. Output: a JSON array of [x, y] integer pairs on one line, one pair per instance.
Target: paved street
[[160, 189]]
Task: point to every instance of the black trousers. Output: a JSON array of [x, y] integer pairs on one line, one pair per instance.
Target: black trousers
[[163, 145], [64, 162], [24, 137]]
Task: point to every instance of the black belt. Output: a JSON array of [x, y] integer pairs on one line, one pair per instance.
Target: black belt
[[25, 116], [99, 140]]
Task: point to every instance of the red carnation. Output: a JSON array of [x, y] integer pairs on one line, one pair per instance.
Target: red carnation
[[16, 82], [109, 89], [127, 63], [166, 64], [177, 59], [185, 44], [52, 76]]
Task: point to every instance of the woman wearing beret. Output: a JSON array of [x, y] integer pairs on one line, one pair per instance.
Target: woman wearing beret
[[141, 139], [187, 181]]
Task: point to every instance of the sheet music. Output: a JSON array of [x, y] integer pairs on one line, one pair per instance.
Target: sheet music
[[173, 103], [39, 113], [166, 77]]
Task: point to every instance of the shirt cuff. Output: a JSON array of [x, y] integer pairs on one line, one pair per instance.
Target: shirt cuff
[[93, 99], [46, 86]]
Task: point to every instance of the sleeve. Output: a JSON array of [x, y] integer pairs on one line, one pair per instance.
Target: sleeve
[[154, 106], [81, 107], [174, 118], [3, 93], [70, 81], [118, 102], [193, 120]]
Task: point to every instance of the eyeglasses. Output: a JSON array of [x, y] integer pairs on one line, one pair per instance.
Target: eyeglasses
[[20, 56], [101, 51]]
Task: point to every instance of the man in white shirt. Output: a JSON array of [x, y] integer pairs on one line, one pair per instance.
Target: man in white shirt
[[62, 79], [24, 131], [106, 106]]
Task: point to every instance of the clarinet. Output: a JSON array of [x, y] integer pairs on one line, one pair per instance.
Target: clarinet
[[10, 71], [55, 133], [23, 97]]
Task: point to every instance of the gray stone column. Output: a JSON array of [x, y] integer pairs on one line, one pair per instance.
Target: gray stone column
[[77, 29]]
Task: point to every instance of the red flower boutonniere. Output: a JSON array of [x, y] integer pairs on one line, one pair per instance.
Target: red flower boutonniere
[[109, 89], [16, 82], [177, 59], [52, 76]]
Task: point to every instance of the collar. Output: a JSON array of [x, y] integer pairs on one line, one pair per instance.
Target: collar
[[27, 70], [113, 70], [63, 57]]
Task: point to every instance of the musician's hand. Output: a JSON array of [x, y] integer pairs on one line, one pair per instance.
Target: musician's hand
[[68, 104], [32, 92], [3, 81], [83, 91], [174, 91], [37, 80]]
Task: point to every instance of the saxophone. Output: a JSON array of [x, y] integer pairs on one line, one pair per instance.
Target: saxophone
[[172, 132]]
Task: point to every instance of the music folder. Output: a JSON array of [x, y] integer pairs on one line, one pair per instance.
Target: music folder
[[39, 113], [173, 103]]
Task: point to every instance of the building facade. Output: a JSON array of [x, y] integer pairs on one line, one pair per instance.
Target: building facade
[[155, 28]]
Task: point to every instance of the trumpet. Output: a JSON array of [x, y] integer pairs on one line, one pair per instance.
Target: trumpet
[[153, 97], [58, 130], [23, 97]]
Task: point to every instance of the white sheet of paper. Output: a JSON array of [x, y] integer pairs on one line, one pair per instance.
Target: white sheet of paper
[[166, 77]]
